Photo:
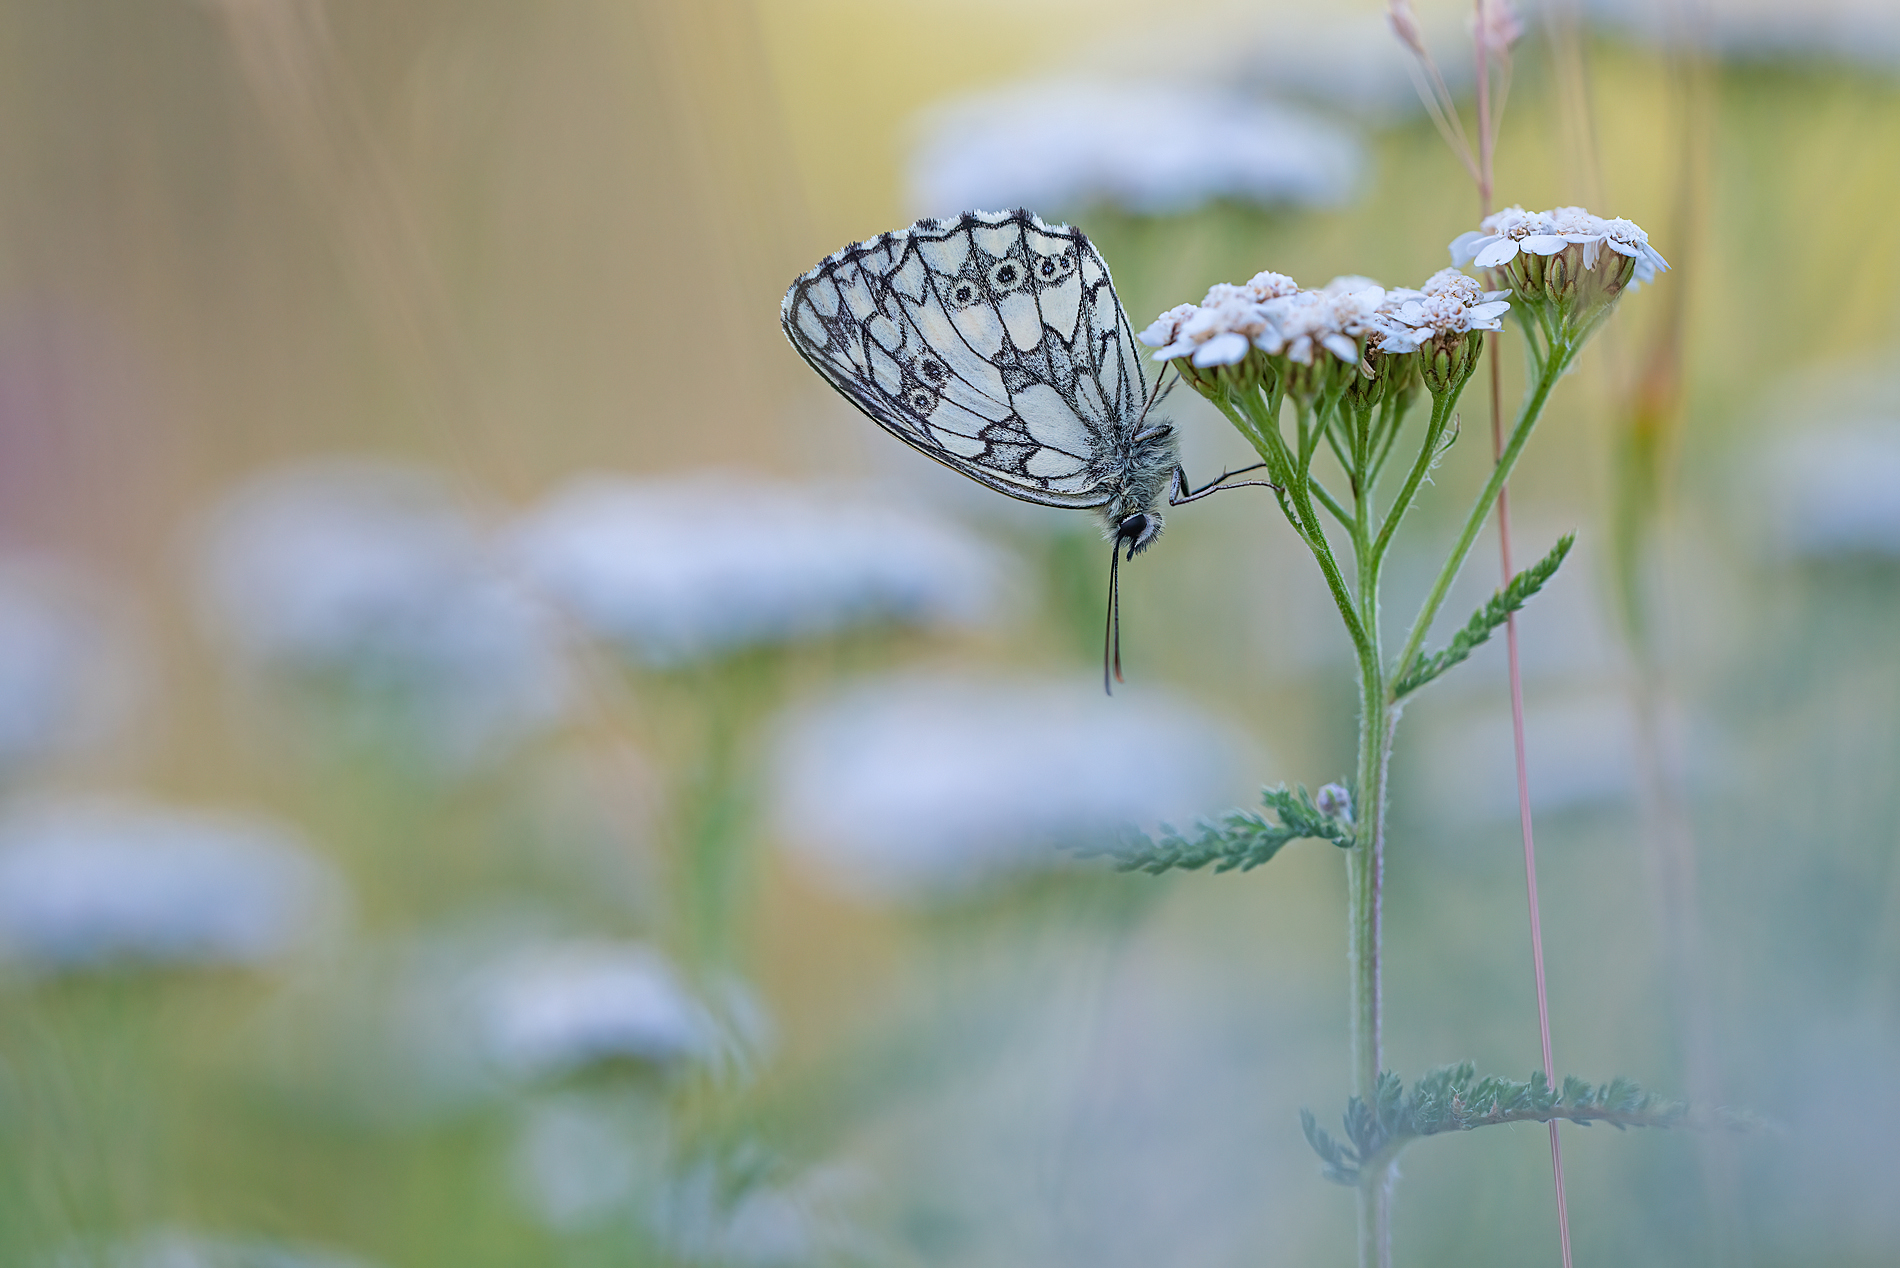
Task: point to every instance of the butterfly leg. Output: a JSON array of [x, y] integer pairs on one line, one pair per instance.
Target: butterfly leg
[[1180, 493]]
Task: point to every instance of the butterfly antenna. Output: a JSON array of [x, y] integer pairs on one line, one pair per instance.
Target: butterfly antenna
[[1156, 394], [1112, 634]]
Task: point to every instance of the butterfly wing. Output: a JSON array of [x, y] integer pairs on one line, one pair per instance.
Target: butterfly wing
[[993, 342]]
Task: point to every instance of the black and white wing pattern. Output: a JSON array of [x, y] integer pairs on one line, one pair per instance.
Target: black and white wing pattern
[[992, 342]]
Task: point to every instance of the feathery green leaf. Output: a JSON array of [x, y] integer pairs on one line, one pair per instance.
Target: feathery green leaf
[[1486, 619], [1238, 841], [1452, 1098]]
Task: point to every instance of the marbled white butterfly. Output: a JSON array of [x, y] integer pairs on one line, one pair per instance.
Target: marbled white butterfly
[[995, 344]]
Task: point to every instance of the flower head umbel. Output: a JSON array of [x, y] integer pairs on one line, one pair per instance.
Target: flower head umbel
[[1269, 324], [1443, 319], [1568, 266]]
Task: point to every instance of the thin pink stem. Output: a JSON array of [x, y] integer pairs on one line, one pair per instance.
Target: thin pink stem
[[1487, 137]]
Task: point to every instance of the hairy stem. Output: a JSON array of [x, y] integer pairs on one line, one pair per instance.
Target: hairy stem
[[1365, 861]]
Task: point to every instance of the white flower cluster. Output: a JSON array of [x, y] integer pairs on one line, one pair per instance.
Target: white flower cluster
[[1273, 314], [670, 570], [1270, 313], [93, 883], [376, 577], [1148, 147], [552, 1009], [1449, 304], [1502, 235], [913, 787]]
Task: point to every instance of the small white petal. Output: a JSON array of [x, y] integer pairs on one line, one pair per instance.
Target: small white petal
[[1543, 244], [1655, 258], [1222, 349], [1467, 245], [1341, 347], [1591, 250], [1488, 312], [1491, 295], [1495, 254], [1623, 248], [1179, 348]]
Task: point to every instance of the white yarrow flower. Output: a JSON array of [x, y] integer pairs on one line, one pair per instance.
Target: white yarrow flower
[[924, 785], [1830, 489], [551, 1009], [1449, 305], [1272, 314], [1151, 148], [675, 569], [1336, 321], [86, 883], [373, 577], [1504, 234], [1565, 267]]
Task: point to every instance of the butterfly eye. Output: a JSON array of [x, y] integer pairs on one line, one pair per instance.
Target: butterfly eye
[[1005, 275]]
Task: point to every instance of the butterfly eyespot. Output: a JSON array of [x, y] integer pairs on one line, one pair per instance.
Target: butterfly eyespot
[[930, 369], [1005, 275], [963, 292], [920, 400]]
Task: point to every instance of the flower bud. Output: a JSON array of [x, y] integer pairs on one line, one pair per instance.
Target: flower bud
[[1334, 801]]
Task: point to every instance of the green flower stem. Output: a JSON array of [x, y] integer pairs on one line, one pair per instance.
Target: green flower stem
[[1332, 504], [1256, 416], [1428, 452], [1365, 861], [1553, 368], [1392, 413]]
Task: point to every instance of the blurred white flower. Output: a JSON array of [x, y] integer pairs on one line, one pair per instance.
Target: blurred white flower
[[97, 882], [763, 1225], [373, 576], [177, 1248], [575, 1161], [66, 667], [1147, 147], [1834, 490], [1582, 753], [922, 784], [552, 1009], [683, 567], [1866, 31]]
